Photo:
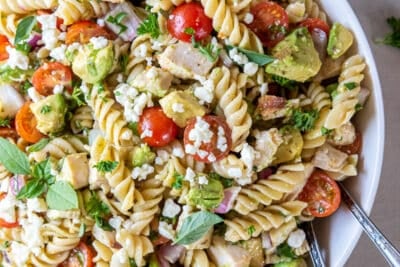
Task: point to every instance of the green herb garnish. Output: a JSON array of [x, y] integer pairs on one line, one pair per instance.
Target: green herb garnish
[[106, 166], [150, 26], [117, 20], [251, 230], [177, 184], [284, 82], [98, 210], [45, 109], [5, 122], [62, 196], [350, 85], [304, 120], [326, 131], [258, 58], [210, 51]]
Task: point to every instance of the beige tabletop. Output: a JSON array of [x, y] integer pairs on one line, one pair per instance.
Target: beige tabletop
[[386, 211]]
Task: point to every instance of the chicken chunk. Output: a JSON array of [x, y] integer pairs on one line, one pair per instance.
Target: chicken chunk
[[329, 158], [228, 255], [271, 107], [185, 61], [75, 170], [344, 135]]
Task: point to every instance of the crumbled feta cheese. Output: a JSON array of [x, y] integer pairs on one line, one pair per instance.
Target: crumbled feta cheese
[[47, 21], [156, 45], [200, 133], [7, 208], [101, 22], [248, 18], [247, 155], [141, 173], [146, 133], [140, 51], [171, 209], [116, 222], [203, 179], [58, 89], [31, 234], [205, 93], [99, 42], [34, 95], [62, 36], [162, 157], [235, 172], [73, 47], [296, 238], [50, 38], [190, 175], [202, 153], [264, 89], [149, 61], [16, 59], [166, 230], [238, 57], [178, 152], [4, 185], [222, 144], [190, 149], [58, 53], [178, 108], [211, 157], [133, 102], [19, 253], [36, 205], [250, 68]]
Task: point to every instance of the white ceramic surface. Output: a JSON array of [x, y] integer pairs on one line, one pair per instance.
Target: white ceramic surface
[[339, 234]]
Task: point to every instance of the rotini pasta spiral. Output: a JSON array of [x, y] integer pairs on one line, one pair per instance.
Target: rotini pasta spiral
[[74, 10], [273, 189], [230, 99], [196, 258], [8, 25], [140, 50], [345, 101], [166, 5], [266, 219], [227, 24], [25, 6], [4, 173]]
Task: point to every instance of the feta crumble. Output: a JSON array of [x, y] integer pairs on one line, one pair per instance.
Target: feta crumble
[[16, 59], [99, 42], [178, 108], [141, 173], [248, 18], [171, 209], [166, 230], [296, 238]]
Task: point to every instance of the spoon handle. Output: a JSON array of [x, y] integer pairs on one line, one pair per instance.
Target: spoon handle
[[391, 254], [315, 253]]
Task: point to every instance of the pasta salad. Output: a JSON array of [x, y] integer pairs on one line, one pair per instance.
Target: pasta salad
[[172, 132]]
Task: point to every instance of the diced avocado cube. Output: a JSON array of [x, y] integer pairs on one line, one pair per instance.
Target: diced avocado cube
[[296, 57], [181, 106], [154, 80], [208, 195], [49, 113], [142, 155], [293, 263], [340, 40]]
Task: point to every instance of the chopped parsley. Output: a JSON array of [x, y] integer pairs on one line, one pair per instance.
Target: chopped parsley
[[45, 109], [98, 210], [326, 131], [25, 86], [177, 184], [150, 26], [5, 122], [284, 82], [304, 120], [284, 250], [393, 38], [358, 107], [350, 85], [117, 20], [251, 230], [210, 51], [106, 166], [78, 97]]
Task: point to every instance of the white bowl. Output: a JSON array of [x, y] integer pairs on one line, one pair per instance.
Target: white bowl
[[339, 234]]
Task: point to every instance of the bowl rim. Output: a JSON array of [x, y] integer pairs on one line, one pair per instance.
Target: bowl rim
[[376, 169]]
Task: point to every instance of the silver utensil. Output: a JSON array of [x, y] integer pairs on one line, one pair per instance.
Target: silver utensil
[[315, 253], [391, 254]]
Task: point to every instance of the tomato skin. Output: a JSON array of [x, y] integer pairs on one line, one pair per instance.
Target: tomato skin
[[322, 194], [190, 15], [270, 23], [163, 129], [49, 75], [25, 124], [214, 122], [82, 31], [355, 147], [4, 223], [314, 24], [87, 256], [3, 44]]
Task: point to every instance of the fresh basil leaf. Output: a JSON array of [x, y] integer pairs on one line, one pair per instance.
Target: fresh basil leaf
[[61, 196], [196, 226], [13, 159], [258, 58], [24, 29], [33, 188], [39, 145], [42, 170], [95, 207]]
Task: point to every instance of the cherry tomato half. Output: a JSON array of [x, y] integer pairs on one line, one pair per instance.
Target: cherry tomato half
[[321, 193], [209, 151], [25, 124], [270, 22], [49, 75], [82, 31], [354, 148], [3, 44], [314, 23], [189, 16], [81, 256], [157, 128], [4, 223]]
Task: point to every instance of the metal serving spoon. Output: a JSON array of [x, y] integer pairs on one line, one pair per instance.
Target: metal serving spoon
[[391, 254]]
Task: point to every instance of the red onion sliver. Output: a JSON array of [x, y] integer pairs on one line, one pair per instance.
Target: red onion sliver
[[171, 253], [230, 195], [266, 240], [16, 183], [34, 40], [265, 173]]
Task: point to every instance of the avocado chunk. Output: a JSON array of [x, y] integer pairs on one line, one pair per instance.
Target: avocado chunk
[[93, 65], [296, 57], [49, 113], [290, 148], [340, 40], [154, 80], [181, 106], [142, 155], [300, 262], [207, 196]]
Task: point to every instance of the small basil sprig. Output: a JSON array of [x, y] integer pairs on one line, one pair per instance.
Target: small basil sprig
[[39, 145], [24, 29], [258, 58], [98, 210], [62, 196], [196, 226], [117, 20], [13, 159]]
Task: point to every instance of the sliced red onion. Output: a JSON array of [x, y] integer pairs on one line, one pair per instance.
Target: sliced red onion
[[230, 195], [163, 262], [171, 253], [265, 173], [34, 40], [131, 21], [363, 96], [266, 240], [320, 39], [226, 60], [16, 183], [5, 257]]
